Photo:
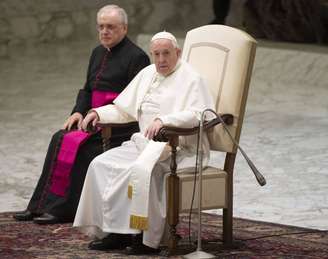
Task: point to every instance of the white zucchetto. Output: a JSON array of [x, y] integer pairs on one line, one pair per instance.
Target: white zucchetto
[[165, 35]]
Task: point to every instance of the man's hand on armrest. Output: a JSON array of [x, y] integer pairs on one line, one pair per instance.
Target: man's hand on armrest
[[92, 117], [75, 118], [153, 128]]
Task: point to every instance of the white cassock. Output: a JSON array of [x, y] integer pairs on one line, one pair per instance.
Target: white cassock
[[106, 205]]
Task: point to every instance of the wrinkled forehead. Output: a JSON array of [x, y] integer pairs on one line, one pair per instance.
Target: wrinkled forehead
[[161, 44]]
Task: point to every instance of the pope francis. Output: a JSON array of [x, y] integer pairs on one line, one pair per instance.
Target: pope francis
[[123, 202]]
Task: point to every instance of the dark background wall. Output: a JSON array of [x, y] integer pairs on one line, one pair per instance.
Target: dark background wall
[[288, 20], [304, 21]]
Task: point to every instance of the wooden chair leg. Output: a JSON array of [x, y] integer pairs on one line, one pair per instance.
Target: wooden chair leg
[[227, 227], [106, 133], [228, 212], [173, 200], [173, 212]]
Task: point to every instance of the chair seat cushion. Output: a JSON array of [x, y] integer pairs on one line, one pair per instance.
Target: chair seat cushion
[[214, 189]]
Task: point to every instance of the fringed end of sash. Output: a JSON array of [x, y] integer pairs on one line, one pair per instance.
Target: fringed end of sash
[[138, 222], [130, 190]]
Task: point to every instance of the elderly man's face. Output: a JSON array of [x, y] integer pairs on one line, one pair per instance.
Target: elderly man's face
[[111, 29], [165, 56]]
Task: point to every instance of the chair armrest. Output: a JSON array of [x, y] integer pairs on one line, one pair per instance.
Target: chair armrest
[[115, 125], [166, 133], [124, 133]]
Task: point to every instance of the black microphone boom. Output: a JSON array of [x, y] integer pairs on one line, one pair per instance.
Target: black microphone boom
[[259, 177]]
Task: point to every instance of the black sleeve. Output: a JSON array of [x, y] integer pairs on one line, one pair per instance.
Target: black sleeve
[[83, 99], [137, 64]]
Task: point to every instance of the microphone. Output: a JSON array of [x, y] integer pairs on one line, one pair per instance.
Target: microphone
[[259, 177]]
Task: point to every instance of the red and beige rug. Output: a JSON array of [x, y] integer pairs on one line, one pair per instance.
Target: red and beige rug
[[253, 239]]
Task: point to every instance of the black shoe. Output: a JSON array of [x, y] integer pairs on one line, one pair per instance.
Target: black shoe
[[141, 250], [111, 242], [138, 248], [25, 215], [46, 218]]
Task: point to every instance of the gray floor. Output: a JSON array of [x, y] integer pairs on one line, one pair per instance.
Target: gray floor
[[285, 130]]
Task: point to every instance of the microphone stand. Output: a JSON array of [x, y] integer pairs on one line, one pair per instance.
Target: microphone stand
[[199, 254]]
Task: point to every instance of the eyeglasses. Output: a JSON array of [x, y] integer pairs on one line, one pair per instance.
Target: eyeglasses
[[108, 27]]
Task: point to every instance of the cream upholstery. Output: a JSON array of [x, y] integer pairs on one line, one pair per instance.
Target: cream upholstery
[[214, 195], [214, 190], [224, 56]]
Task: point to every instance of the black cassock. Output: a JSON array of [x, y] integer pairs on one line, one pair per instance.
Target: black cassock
[[108, 70]]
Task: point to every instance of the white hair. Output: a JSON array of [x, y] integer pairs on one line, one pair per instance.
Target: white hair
[[165, 35], [109, 8]]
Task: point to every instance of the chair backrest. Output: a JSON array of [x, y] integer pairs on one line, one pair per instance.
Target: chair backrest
[[224, 56]]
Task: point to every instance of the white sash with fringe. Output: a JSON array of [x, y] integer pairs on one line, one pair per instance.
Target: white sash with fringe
[[139, 187]]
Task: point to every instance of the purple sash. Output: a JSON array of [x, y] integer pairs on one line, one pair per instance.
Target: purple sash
[[100, 98], [70, 145]]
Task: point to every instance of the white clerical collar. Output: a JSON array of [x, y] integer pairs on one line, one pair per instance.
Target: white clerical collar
[[159, 77]]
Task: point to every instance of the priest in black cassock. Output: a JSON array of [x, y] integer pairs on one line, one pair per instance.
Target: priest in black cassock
[[112, 65]]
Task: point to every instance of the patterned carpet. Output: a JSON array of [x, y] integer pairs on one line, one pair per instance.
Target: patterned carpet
[[253, 239]]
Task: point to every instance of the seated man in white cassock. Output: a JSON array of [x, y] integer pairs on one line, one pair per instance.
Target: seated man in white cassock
[[123, 202]]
